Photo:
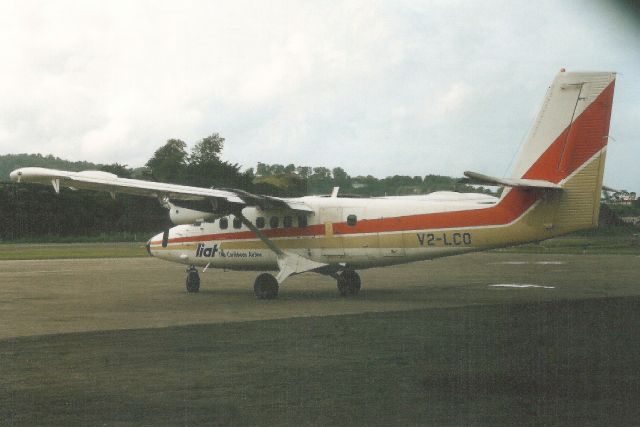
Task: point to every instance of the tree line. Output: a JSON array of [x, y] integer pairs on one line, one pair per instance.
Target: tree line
[[318, 180], [32, 212]]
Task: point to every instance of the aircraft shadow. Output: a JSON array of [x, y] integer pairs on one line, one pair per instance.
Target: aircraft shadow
[[329, 294]]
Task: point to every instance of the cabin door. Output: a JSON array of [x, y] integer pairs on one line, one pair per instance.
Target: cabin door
[[331, 244]]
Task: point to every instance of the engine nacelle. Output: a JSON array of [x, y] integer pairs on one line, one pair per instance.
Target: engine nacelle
[[180, 215]]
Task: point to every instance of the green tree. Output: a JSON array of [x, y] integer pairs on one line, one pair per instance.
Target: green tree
[[303, 171], [205, 169], [121, 170], [262, 169], [277, 169], [341, 178], [321, 173], [207, 150], [169, 161]]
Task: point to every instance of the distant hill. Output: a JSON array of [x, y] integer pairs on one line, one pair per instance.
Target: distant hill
[[9, 162]]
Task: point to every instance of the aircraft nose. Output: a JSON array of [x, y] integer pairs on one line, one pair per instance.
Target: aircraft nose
[[153, 243]]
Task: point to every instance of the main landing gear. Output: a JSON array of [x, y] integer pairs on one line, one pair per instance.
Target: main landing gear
[[348, 282], [193, 279], [265, 286]]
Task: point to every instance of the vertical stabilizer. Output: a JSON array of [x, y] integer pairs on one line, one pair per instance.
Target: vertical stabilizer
[[567, 145]]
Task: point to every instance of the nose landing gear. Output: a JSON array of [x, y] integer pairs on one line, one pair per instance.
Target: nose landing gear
[[348, 282], [266, 286], [193, 279]]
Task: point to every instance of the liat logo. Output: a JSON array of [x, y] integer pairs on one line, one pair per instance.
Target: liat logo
[[202, 251]]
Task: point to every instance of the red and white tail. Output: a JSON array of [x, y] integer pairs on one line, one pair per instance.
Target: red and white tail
[[567, 145], [572, 126]]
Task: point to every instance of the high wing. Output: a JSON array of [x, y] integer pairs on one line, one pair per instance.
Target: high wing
[[225, 200]]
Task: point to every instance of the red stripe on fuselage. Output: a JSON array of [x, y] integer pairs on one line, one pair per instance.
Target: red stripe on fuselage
[[509, 209]]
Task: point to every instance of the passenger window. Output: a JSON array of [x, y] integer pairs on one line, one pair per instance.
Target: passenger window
[[274, 222], [352, 220], [237, 223], [224, 223], [302, 221], [260, 222], [287, 222]]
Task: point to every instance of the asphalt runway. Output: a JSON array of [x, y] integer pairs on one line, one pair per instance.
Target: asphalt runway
[[64, 296], [484, 339]]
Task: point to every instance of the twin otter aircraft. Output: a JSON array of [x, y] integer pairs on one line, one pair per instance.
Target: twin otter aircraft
[[554, 189]]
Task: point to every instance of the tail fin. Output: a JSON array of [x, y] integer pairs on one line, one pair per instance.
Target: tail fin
[[567, 145]]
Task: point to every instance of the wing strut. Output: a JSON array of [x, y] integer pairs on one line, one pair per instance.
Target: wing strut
[[56, 185], [262, 237], [289, 263]]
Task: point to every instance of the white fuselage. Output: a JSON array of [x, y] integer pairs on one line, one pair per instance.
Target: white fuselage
[[333, 233]]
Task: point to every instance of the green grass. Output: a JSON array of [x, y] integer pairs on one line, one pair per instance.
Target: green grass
[[76, 250], [592, 244], [616, 240], [112, 237], [563, 362]]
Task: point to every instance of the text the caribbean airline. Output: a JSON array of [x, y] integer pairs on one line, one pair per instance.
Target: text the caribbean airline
[[554, 189]]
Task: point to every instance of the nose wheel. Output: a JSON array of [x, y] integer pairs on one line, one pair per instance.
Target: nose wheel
[[266, 286], [193, 279], [348, 282]]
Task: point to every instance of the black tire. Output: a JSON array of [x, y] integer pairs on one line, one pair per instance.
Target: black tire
[[193, 281], [266, 286], [349, 283]]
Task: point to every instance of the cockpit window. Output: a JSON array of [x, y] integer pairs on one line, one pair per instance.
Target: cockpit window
[[352, 220]]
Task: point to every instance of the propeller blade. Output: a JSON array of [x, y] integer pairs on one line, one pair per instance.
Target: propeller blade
[[165, 237]]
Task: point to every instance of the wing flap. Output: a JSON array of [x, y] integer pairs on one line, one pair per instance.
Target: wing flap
[[270, 202]]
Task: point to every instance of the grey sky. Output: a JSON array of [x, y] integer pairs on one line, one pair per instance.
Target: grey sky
[[395, 87]]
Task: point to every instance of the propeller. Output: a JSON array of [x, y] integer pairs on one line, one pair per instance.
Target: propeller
[[165, 237], [164, 201]]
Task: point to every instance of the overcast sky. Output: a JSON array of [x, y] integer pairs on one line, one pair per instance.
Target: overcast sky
[[382, 88]]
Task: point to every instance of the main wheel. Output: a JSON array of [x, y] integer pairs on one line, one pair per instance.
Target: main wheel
[[193, 280], [265, 286], [349, 283]]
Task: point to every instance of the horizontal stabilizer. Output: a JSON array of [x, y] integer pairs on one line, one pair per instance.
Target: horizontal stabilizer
[[511, 182], [609, 189]]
